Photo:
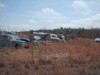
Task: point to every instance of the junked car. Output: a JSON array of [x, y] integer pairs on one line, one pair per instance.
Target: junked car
[[26, 38], [31, 38], [35, 39], [97, 39], [52, 37], [61, 37], [9, 40]]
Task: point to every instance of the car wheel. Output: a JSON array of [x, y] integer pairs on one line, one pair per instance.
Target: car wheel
[[17, 46]]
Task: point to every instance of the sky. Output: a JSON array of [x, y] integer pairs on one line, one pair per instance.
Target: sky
[[19, 15]]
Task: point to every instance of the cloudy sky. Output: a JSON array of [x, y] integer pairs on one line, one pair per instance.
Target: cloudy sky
[[16, 15]]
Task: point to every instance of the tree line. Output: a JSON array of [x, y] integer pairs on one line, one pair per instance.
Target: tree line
[[79, 32]]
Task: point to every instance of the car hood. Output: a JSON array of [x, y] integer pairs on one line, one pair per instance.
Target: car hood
[[18, 40]]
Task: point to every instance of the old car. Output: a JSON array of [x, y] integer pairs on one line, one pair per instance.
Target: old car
[[52, 37], [97, 39], [9, 40], [61, 37], [31, 38]]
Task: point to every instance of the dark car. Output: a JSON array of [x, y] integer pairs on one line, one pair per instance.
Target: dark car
[[31, 38], [9, 40], [61, 37]]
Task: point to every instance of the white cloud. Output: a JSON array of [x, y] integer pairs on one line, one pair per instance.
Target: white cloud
[[33, 21], [2, 5], [82, 7], [16, 26], [48, 18], [93, 21], [95, 3]]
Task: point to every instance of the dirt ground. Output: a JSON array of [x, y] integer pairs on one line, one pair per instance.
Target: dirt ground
[[76, 57]]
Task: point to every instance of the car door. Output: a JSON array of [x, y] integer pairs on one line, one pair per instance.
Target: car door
[[4, 42], [1, 41]]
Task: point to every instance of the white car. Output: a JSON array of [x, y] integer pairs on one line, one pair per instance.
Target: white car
[[52, 37], [97, 39]]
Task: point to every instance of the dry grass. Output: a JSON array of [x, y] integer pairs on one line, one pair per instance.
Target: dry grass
[[77, 57]]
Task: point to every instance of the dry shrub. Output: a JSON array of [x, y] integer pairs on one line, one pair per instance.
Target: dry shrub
[[36, 68], [44, 62], [16, 66], [27, 66], [2, 65]]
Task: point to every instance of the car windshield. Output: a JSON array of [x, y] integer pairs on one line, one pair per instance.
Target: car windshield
[[37, 37], [14, 37], [53, 35]]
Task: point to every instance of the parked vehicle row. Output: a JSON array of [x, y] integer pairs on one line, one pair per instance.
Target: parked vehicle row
[[12, 40], [44, 37]]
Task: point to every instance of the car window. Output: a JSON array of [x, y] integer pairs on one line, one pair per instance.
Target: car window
[[53, 35], [3, 37], [27, 37], [14, 37], [9, 37]]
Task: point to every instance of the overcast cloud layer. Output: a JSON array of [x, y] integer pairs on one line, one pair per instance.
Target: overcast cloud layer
[[21, 15]]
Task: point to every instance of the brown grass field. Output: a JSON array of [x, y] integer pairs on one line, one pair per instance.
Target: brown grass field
[[77, 57]]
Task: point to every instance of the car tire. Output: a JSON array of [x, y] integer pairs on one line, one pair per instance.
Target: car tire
[[17, 46]]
